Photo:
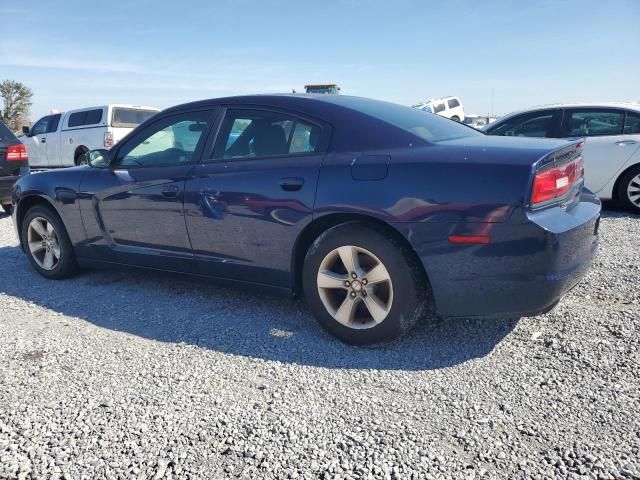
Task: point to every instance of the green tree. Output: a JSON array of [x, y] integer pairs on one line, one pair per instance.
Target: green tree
[[17, 100]]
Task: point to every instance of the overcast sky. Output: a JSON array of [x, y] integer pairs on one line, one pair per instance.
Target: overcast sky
[[78, 53]]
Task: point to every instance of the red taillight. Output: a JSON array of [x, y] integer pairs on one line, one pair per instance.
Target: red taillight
[[108, 139], [16, 153], [556, 181]]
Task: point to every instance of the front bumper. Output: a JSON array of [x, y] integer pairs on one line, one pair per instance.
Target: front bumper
[[525, 270]]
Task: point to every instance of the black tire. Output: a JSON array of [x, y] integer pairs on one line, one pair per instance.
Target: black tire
[[67, 265], [8, 209], [628, 178], [455, 118], [410, 291], [79, 158]]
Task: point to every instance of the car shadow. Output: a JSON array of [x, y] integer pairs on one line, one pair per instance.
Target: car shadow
[[171, 308]]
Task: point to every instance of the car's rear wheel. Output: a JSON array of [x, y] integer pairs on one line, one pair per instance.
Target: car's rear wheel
[[455, 118], [47, 244], [629, 190], [362, 285]]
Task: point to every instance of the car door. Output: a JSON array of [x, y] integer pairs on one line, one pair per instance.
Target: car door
[[36, 143], [133, 209], [606, 148], [246, 205], [51, 149]]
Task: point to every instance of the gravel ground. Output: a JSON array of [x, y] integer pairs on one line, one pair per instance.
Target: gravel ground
[[137, 375]]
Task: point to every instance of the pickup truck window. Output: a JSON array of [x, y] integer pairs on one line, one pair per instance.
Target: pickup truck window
[[41, 126], [88, 117], [54, 120], [130, 117]]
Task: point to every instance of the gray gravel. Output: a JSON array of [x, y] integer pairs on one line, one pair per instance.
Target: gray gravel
[[135, 375]]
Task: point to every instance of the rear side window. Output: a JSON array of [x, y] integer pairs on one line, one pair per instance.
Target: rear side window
[[593, 122], [6, 136], [260, 133], [130, 117], [538, 124], [429, 127], [438, 107], [632, 124], [453, 103], [88, 117]]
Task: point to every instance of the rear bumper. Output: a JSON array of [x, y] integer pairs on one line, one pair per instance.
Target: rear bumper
[[524, 271]]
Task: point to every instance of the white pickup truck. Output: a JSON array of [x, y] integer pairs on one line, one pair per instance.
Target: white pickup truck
[[60, 139]]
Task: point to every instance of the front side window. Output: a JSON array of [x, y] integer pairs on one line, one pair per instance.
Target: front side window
[[539, 124], [258, 133], [453, 103], [54, 120], [632, 124], [170, 141], [593, 122], [41, 126]]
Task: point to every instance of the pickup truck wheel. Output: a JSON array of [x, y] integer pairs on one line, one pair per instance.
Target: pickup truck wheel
[[79, 158], [629, 190]]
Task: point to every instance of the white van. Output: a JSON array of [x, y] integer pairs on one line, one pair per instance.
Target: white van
[[59, 139], [450, 107]]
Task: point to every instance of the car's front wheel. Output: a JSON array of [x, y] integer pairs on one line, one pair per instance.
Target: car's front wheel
[[47, 244], [629, 190], [362, 285]]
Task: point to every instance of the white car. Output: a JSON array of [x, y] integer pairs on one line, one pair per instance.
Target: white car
[[450, 107], [612, 147], [60, 139]]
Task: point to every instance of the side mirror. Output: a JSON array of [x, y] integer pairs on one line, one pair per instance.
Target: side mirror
[[26, 130], [95, 158]]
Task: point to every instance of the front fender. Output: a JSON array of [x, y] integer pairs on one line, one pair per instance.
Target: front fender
[[59, 190]]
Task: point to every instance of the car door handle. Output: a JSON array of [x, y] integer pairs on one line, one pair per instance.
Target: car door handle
[[43, 139], [291, 184], [624, 143], [170, 191]]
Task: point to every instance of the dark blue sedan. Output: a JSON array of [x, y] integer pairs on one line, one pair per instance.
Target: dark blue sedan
[[378, 214]]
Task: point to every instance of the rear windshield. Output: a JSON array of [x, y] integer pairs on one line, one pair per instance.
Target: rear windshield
[[427, 126], [130, 117], [6, 136]]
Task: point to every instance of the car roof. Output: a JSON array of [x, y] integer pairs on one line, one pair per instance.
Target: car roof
[[284, 100], [623, 105], [111, 105]]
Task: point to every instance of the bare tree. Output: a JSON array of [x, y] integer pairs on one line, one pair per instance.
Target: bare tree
[[17, 99]]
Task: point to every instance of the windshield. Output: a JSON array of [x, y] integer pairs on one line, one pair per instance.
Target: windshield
[[130, 117], [430, 127]]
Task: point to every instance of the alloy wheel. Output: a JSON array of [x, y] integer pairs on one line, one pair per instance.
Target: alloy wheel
[[355, 287], [43, 243], [633, 190]]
